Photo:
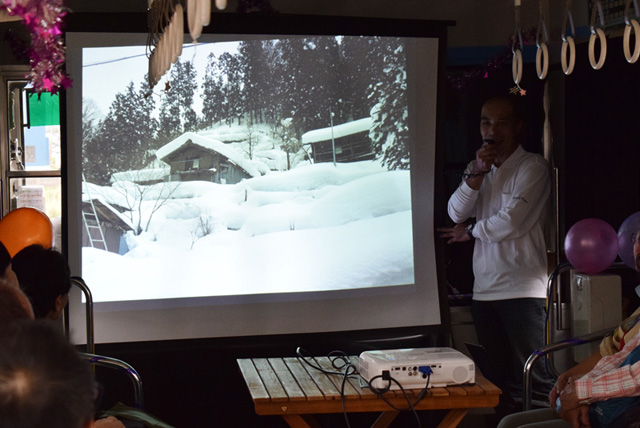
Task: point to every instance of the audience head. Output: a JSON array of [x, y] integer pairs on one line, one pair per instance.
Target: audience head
[[14, 304], [45, 277], [43, 380], [6, 271]]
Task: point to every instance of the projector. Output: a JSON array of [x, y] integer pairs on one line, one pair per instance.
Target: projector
[[410, 367]]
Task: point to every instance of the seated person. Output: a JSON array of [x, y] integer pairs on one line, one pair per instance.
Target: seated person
[[47, 285], [612, 372], [43, 380], [6, 271], [44, 276]]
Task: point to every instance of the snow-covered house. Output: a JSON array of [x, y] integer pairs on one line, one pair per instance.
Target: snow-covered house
[[351, 141], [195, 157]]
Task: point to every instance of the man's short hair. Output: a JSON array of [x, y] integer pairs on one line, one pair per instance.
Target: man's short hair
[[44, 275], [514, 102], [43, 380]]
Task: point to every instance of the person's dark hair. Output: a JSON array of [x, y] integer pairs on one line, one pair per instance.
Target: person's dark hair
[[43, 275], [43, 380], [13, 304], [5, 258]]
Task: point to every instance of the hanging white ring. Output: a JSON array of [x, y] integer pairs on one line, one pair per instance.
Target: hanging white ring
[[516, 66], [570, 45], [597, 32], [635, 26], [542, 60]]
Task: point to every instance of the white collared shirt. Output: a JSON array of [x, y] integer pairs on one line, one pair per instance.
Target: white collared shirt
[[509, 257]]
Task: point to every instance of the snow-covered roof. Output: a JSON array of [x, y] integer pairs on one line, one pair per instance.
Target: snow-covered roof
[[93, 192], [338, 131], [142, 175], [209, 144], [112, 215]]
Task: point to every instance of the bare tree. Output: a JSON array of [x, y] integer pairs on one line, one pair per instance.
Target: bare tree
[[143, 201], [91, 116], [252, 138], [203, 226]]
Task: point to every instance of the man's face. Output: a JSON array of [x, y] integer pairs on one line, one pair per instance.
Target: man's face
[[498, 122]]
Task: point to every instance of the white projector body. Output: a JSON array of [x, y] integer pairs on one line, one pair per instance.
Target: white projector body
[[449, 367]]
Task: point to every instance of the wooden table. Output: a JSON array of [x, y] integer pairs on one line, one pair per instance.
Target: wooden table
[[294, 390]]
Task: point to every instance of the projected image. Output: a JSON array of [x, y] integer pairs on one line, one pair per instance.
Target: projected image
[[254, 167]]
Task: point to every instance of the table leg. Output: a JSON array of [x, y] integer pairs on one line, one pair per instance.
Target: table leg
[[301, 421], [385, 419], [453, 418]]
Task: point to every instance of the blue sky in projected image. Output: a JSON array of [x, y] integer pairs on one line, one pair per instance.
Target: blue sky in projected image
[[108, 70]]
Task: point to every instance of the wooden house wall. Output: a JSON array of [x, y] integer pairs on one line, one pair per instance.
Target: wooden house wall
[[212, 166], [350, 148]]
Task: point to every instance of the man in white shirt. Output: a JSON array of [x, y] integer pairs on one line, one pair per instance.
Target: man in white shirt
[[506, 190]]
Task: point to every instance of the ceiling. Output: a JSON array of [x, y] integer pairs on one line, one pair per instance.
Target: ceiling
[[478, 22]]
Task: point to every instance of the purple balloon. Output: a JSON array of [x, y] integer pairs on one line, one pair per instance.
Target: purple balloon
[[626, 235], [591, 245]]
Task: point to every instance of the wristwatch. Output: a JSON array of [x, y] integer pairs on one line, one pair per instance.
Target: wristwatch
[[469, 230]]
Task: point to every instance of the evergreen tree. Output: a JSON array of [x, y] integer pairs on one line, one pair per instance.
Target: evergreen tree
[[389, 133], [269, 79], [230, 68], [94, 169], [124, 137], [254, 64], [176, 107], [183, 86], [212, 98], [360, 67], [287, 95], [149, 126], [319, 92], [169, 126]]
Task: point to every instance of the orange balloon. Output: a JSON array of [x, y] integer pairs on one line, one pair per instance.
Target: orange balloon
[[23, 227]]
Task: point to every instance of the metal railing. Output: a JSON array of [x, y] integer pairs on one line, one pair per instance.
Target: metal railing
[[533, 358], [113, 363], [79, 282]]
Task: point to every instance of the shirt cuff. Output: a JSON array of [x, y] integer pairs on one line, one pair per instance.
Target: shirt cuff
[[584, 387], [467, 190]]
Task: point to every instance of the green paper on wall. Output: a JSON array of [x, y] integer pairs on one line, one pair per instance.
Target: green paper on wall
[[44, 110]]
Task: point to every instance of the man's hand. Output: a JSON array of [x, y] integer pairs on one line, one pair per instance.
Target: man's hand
[[575, 372], [458, 233], [568, 397], [557, 388], [486, 156]]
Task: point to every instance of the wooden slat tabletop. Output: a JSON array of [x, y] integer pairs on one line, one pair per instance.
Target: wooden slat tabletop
[[306, 383], [290, 386]]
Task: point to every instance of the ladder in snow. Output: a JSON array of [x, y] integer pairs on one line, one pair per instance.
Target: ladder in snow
[[92, 223]]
